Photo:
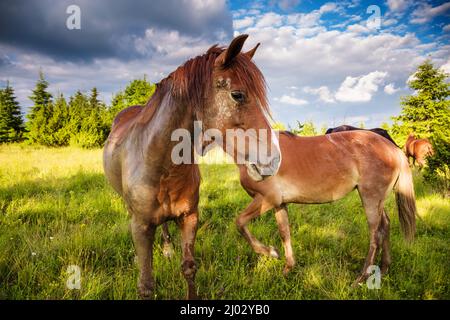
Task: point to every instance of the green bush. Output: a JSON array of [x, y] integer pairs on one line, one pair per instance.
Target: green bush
[[437, 172]]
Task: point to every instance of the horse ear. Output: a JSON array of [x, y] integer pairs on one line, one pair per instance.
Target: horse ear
[[251, 52], [235, 47]]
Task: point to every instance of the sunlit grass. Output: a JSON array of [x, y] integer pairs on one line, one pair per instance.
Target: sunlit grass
[[56, 210]]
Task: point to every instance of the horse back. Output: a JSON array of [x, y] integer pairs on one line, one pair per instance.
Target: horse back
[[123, 122]]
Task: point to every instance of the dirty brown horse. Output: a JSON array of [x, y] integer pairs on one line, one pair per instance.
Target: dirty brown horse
[[222, 88], [418, 149], [325, 168], [345, 127]]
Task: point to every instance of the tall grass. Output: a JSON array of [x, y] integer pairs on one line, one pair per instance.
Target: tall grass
[[56, 210]]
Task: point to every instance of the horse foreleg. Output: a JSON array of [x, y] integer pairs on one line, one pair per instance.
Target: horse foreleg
[[143, 236], [255, 209], [188, 226], [283, 226], [167, 244]]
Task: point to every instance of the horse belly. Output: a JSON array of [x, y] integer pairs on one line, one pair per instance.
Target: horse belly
[[318, 191], [112, 167]]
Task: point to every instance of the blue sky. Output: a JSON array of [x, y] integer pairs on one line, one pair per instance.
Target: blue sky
[[329, 62]]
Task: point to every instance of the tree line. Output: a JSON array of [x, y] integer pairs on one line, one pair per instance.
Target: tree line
[[83, 120]]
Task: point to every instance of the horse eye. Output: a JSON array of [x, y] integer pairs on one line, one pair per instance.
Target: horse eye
[[238, 96]]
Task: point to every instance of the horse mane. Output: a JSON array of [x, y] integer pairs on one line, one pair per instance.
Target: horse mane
[[191, 83], [288, 133]]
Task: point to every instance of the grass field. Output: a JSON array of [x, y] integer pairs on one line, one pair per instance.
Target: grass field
[[56, 210]]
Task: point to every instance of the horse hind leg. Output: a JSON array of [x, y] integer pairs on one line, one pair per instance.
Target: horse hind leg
[[167, 243], [255, 209], [374, 212], [281, 216], [384, 233]]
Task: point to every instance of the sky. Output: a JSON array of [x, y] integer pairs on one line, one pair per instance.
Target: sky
[[327, 62]]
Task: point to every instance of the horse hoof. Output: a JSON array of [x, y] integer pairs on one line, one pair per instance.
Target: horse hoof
[[274, 253], [192, 296], [168, 250], [360, 281], [145, 291], [145, 294], [286, 270]]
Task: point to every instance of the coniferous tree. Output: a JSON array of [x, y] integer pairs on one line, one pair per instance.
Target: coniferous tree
[[57, 124], [40, 112], [11, 121], [427, 114]]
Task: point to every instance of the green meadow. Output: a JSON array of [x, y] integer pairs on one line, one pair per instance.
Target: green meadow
[[57, 210]]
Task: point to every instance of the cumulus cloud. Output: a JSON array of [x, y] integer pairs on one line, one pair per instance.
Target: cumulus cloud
[[360, 89], [291, 100], [287, 4], [446, 67], [108, 29], [269, 19], [390, 89], [425, 12], [243, 23], [323, 92], [398, 5]]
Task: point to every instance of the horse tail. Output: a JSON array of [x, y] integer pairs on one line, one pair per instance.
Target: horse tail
[[406, 202]]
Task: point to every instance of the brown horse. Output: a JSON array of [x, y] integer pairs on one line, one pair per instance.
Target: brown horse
[[379, 131], [222, 88], [418, 149], [324, 169]]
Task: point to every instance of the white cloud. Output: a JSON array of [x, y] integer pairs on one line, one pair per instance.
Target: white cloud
[[357, 28], [243, 23], [426, 12], [360, 89], [269, 19], [291, 100], [390, 89], [398, 5], [288, 4], [328, 7], [356, 120], [411, 77], [446, 28], [389, 22], [323, 92], [446, 67]]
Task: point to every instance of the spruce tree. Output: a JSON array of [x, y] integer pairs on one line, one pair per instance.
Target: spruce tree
[[57, 124], [11, 121], [40, 113]]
